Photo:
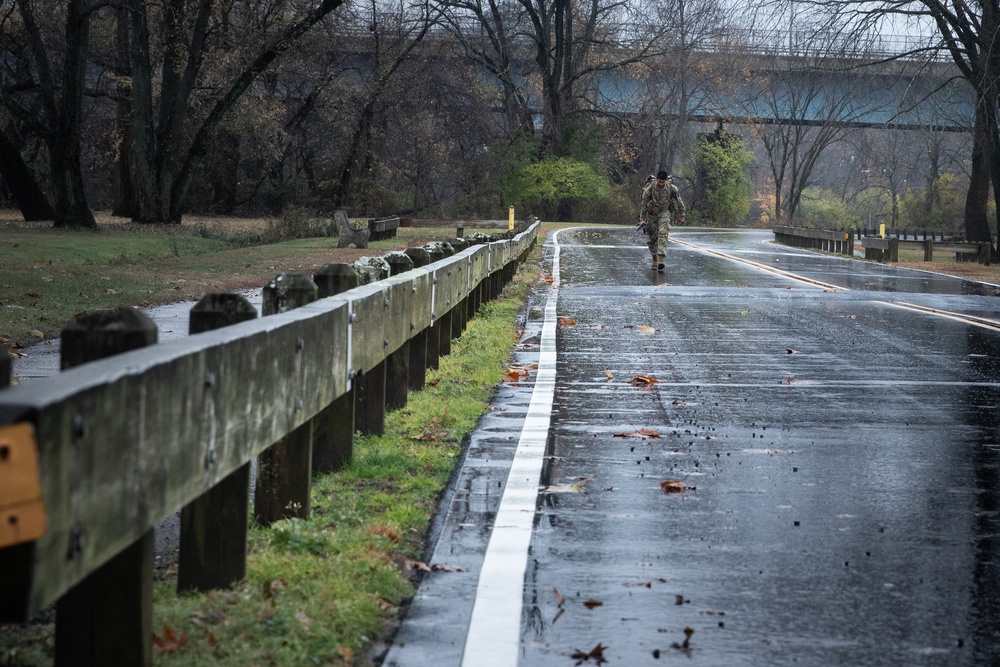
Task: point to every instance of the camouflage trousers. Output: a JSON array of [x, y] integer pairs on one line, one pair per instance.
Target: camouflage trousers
[[659, 233]]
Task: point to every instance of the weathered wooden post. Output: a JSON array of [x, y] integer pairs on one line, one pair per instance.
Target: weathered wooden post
[[213, 539], [460, 310], [369, 383], [476, 293], [107, 618], [490, 277], [397, 364], [434, 331], [418, 343], [284, 470], [369, 400], [445, 303], [445, 316], [333, 428]]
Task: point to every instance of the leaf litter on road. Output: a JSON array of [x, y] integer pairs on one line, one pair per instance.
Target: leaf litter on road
[[639, 433], [596, 654], [570, 488]]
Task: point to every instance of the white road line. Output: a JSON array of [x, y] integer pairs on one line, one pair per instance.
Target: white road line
[[766, 268], [494, 635], [982, 322]]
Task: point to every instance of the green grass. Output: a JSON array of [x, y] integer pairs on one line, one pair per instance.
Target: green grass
[[328, 590], [324, 591]]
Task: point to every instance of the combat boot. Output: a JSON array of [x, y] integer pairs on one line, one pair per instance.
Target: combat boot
[[653, 265], [659, 263]]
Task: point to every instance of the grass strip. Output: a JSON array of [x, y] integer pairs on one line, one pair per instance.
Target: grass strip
[[329, 590]]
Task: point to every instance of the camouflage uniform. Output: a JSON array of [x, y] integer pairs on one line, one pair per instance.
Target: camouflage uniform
[[659, 207]]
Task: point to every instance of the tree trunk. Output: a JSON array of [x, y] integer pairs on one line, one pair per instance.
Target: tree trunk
[[126, 201], [977, 226], [28, 197], [70, 197], [353, 159]]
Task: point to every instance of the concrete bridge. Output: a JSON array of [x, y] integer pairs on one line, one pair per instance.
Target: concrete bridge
[[802, 90]]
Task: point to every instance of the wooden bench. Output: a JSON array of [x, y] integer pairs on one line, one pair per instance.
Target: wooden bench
[[383, 228], [348, 233]]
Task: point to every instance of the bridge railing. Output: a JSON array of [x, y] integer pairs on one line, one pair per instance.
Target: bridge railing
[[94, 458]]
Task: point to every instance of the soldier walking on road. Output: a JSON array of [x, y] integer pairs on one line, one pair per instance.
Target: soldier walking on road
[[661, 203]]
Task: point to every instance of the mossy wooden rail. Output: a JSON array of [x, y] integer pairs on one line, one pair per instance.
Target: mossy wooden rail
[[839, 241], [125, 441], [887, 249]]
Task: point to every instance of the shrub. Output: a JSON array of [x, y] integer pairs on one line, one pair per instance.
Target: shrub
[[553, 187], [822, 209]]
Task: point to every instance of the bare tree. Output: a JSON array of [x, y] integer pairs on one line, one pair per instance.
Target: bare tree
[[967, 34], [166, 150], [567, 44], [392, 41], [803, 104], [45, 91], [676, 87]]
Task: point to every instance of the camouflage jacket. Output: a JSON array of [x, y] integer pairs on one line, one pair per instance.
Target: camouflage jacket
[[656, 199]]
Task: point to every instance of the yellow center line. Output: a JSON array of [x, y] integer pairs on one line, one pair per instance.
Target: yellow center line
[[763, 267], [983, 322], [992, 325]]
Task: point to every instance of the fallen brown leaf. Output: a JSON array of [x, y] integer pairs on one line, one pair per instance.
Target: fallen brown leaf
[[569, 488], [591, 603], [640, 433], [643, 379], [431, 567], [169, 642], [673, 486], [687, 640], [596, 653], [272, 588]]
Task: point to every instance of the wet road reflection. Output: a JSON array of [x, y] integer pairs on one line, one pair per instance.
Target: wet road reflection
[[841, 458]]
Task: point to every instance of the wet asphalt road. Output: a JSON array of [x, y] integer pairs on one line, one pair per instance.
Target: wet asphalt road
[[838, 443]]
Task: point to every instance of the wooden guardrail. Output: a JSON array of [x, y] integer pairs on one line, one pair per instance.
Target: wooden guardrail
[[109, 447], [915, 234], [840, 241], [878, 248], [459, 224], [887, 249]]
